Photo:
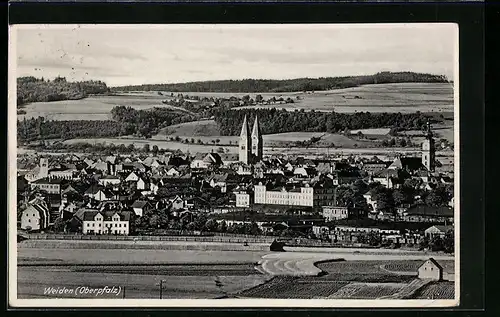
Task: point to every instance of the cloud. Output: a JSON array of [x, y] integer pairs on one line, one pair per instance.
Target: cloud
[[177, 53]]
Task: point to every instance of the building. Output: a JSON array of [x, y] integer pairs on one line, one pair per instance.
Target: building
[[245, 143], [51, 186], [39, 172], [334, 212], [257, 142], [301, 196], [430, 269], [424, 213], [36, 216], [250, 147], [428, 150], [437, 231], [141, 207], [106, 222], [109, 180]]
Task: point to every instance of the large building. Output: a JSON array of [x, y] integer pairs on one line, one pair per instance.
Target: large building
[[317, 194], [250, 147], [428, 150]]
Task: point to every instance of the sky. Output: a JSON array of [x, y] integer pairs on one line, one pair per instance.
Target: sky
[[149, 54]]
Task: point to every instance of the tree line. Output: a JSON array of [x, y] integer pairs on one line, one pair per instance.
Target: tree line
[[277, 121], [40, 129], [289, 85], [32, 89], [148, 122]]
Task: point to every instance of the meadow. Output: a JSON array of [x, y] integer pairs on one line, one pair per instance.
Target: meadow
[[404, 98], [91, 108]]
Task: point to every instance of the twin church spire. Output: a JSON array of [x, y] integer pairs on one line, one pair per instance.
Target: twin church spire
[[250, 146]]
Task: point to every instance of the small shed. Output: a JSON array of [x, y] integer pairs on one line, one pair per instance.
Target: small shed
[[430, 269]]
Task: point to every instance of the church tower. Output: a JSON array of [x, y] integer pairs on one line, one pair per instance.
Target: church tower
[[44, 168], [244, 143], [428, 150], [257, 143]]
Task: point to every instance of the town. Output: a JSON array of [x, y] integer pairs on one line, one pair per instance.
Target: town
[[344, 201]]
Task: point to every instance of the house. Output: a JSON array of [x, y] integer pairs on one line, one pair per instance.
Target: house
[[142, 184], [51, 186], [430, 269], [335, 212], [109, 180], [204, 161], [219, 181], [99, 193], [424, 213], [62, 174], [106, 222], [140, 207], [177, 203], [437, 231], [132, 177], [173, 172], [244, 198], [36, 216]]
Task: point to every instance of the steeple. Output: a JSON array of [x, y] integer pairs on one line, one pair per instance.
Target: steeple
[[257, 142], [244, 144], [244, 128], [428, 150], [256, 128]]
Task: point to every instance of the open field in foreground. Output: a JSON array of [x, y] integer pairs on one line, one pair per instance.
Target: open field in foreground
[[192, 274]]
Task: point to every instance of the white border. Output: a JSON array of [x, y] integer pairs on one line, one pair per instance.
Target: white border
[[207, 303]]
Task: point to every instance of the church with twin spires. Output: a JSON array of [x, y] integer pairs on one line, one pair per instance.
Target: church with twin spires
[[250, 147]]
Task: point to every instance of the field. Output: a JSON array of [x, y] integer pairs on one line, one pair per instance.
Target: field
[[436, 290], [33, 281], [410, 97], [404, 98], [91, 108]]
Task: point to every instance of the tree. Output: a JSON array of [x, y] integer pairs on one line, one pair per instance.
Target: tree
[[449, 241], [59, 225], [222, 226], [131, 147], [155, 149], [402, 143], [211, 225], [259, 98], [146, 148]]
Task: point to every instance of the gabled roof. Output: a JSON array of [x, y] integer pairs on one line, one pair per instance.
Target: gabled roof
[[107, 215], [139, 204], [436, 263]]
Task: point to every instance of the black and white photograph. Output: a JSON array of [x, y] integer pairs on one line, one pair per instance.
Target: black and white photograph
[[233, 165]]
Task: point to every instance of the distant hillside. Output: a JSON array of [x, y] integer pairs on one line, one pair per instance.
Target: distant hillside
[[288, 85], [31, 89]]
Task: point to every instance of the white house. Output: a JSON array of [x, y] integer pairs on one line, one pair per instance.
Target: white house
[[173, 172], [132, 177], [335, 212], [106, 222], [437, 231], [142, 184], [140, 207], [430, 269], [177, 203], [36, 216], [243, 199]]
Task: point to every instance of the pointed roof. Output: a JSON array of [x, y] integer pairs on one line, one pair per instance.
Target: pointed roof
[[244, 128], [256, 128]]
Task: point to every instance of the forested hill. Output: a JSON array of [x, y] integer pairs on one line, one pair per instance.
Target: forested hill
[[31, 89], [289, 85]]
